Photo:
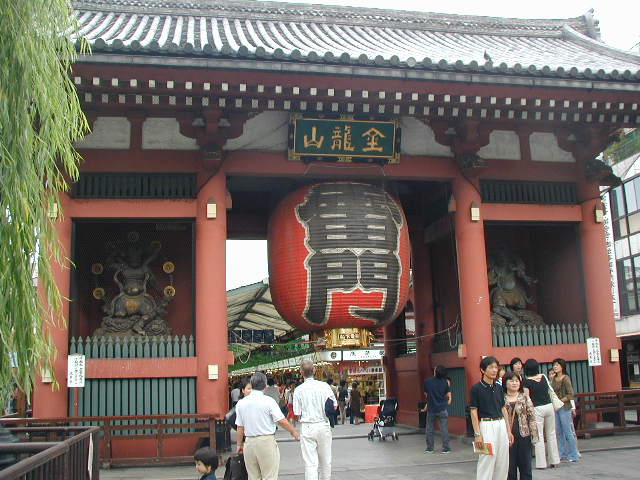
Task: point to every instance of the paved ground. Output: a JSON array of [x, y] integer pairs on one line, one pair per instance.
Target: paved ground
[[355, 458]]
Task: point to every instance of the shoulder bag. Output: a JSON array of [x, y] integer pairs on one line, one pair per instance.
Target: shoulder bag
[[235, 468], [555, 401]]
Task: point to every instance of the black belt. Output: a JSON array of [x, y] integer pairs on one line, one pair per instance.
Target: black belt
[[491, 419]]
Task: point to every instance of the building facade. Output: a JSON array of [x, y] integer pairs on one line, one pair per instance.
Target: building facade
[[623, 217], [190, 106]]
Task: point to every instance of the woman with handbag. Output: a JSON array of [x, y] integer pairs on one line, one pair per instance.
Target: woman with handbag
[[539, 388], [561, 383], [523, 427]]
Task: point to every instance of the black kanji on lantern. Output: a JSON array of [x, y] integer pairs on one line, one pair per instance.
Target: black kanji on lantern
[[353, 234]]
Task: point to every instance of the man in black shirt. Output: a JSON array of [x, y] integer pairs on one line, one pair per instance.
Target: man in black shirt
[[490, 423], [438, 395]]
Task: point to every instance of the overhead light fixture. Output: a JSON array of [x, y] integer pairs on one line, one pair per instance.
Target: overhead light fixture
[[212, 208], [598, 213], [451, 206], [614, 355], [53, 210], [475, 212]]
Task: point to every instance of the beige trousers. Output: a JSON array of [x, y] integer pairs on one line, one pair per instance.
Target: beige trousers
[[496, 466], [262, 457], [547, 446]]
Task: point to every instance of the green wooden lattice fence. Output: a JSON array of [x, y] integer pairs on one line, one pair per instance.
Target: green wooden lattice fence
[[134, 347], [530, 335], [458, 391], [135, 396]]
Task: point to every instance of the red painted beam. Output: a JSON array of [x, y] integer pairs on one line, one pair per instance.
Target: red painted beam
[[543, 353], [141, 367], [130, 208], [531, 213]]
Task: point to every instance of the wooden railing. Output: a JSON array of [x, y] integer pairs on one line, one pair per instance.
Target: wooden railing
[[134, 347], [531, 335], [157, 428], [609, 407], [69, 459]]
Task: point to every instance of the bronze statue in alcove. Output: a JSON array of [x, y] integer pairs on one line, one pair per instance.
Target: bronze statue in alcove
[[509, 285], [134, 310]]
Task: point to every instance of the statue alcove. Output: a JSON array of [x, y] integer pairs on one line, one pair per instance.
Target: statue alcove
[[132, 278], [545, 264]]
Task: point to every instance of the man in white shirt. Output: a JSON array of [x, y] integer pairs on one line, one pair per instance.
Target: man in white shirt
[[315, 435], [256, 418]]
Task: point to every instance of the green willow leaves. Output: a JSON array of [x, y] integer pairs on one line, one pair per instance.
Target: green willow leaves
[[40, 118]]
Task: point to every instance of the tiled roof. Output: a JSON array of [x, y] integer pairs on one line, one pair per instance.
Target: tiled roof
[[353, 36]]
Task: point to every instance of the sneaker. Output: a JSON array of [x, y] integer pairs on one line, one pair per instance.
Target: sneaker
[[446, 450], [429, 450]]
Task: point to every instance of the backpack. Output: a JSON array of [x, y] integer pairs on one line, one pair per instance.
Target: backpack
[[342, 394]]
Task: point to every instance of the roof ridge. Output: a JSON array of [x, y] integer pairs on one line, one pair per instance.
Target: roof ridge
[[340, 14], [598, 46]]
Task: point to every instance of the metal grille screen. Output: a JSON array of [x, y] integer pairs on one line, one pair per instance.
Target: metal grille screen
[[548, 193], [135, 185]]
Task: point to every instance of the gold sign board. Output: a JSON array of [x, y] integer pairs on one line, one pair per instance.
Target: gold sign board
[[347, 337]]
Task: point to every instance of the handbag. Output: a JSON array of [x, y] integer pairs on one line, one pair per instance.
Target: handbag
[[230, 417], [555, 401], [235, 468]]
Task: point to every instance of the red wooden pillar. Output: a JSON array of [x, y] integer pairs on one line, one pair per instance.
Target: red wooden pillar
[[49, 401], [423, 305], [475, 309], [391, 376], [597, 286], [211, 297]]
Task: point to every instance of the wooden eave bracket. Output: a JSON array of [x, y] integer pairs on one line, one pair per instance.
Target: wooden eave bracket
[[465, 140], [586, 145], [211, 131]]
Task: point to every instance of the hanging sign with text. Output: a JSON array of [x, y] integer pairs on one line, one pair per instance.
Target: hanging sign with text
[[75, 371], [343, 140], [593, 352], [360, 355]]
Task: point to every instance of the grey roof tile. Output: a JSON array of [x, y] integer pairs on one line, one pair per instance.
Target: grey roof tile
[[302, 33]]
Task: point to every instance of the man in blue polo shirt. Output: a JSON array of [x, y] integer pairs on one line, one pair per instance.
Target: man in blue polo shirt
[[438, 395]]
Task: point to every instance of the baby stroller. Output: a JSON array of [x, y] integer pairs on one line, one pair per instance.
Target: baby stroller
[[384, 424]]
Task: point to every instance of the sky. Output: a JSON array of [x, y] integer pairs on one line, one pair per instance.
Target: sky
[[619, 27]]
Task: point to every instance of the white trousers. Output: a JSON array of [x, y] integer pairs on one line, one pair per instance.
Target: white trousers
[[262, 457], [315, 444], [546, 420], [496, 466]]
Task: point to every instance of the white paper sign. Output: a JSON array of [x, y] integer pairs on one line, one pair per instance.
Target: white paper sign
[[357, 355], [370, 370], [329, 355], [593, 352], [75, 371]]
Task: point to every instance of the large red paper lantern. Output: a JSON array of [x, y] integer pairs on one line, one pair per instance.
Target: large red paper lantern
[[338, 256]]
